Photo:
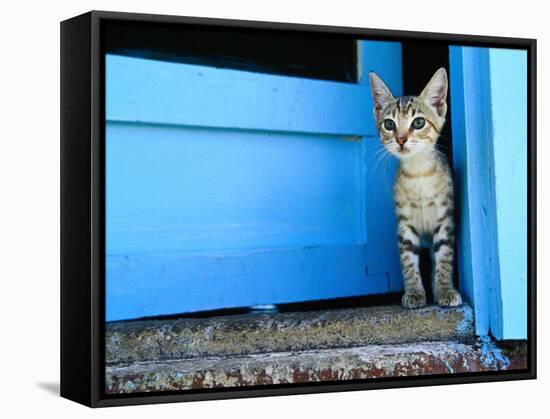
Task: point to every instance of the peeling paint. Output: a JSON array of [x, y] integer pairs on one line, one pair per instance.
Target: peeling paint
[[492, 355], [370, 362], [466, 324], [281, 348]]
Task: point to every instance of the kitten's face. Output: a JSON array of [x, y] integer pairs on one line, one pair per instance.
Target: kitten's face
[[410, 125]]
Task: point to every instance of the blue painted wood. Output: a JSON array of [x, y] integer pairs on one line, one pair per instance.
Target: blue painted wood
[[508, 70], [160, 282], [384, 58], [149, 91], [228, 188], [486, 113], [469, 291], [472, 157], [185, 189], [173, 192]]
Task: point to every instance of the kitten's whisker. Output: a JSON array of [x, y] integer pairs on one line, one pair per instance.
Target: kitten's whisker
[[373, 165], [381, 165], [376, 154], [389, 164], [378, 158]]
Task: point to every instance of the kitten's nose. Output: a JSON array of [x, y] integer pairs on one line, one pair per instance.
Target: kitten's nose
[[401, 141]]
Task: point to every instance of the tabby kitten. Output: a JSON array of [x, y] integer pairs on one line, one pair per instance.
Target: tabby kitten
[[409, 127]]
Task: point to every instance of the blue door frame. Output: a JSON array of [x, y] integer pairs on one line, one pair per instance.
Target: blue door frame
[[489, 107], [228, 188]]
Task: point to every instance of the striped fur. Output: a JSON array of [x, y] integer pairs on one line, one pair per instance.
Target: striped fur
[[423, 190]]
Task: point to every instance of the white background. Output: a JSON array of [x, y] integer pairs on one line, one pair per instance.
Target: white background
[[29, 209]]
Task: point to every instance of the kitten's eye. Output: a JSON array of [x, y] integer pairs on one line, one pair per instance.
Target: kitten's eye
[[389, 124], [419, 123]]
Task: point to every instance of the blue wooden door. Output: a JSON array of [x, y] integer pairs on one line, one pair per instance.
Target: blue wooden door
[[489, 105], [228, 188]]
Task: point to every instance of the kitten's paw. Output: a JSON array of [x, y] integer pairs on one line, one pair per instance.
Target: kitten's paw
[[414, 299], [449, 298]]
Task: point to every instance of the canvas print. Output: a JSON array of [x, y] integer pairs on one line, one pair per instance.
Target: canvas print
[[291, 207]]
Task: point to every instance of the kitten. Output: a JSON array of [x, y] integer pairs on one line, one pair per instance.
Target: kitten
[[409, 127]]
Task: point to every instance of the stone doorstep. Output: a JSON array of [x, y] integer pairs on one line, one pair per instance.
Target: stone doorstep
[[373, 361], [183, 338]]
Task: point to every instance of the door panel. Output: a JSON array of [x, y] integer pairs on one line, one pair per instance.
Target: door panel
[[228, 189], [187, 189], [180, 94], [173, 282]]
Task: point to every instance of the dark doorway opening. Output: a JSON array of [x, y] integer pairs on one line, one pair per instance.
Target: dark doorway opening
[[420, 61], [291, 53]]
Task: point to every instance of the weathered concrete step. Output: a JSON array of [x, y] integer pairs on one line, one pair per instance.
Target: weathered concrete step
[[157, 340], [372, 361]]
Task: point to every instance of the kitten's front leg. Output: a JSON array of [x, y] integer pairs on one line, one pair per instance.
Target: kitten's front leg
[[443, 251], [409, 250]]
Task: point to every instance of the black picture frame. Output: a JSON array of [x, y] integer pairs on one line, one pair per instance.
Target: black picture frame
[[82, 214]]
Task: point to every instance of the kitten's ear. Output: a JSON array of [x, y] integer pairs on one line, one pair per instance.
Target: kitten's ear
[[381, 95], [435, 92]]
